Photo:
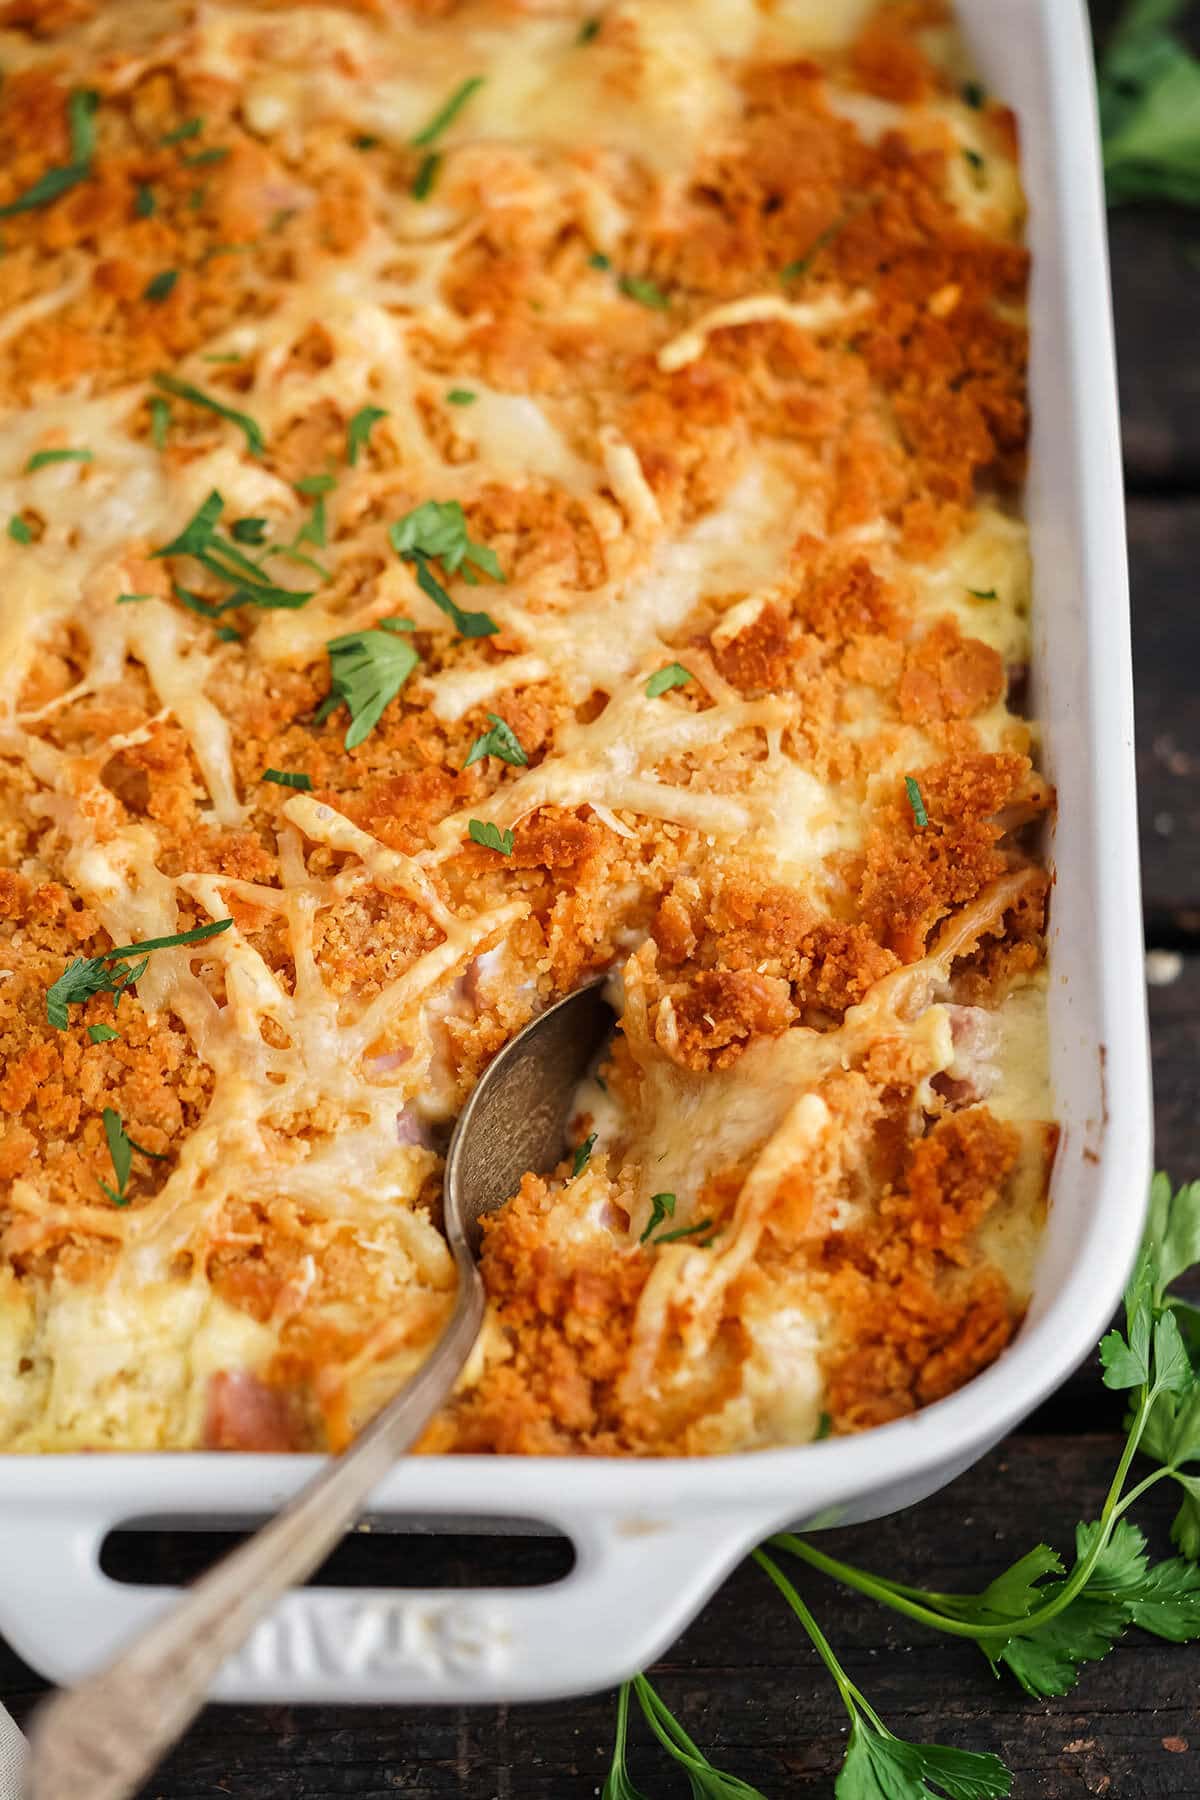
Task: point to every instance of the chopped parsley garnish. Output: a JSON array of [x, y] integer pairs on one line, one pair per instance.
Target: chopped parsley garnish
[[365, 141], [367, 670], [426, 175], [228, 635], [583, 1154], [81, 108], [19, 531], [315, 528], [662, 1208], [461, 397], [223, 356], [183, 390], [794, 270], [1149, 81], [589, 30], [436, 531], [598, 260], [671, 675], [202, 159], [222, 558], [824, 1428], [144, 204], [160, 420], [975, 94], [286, 778], [983, 593], [501, 741], [112, 972], [102, 1034], [125, 599], [446, 115], [121, 1148], [916, 802], [191, 128], [975, 159], [683, 1231], [248, 531], [645, 292], [359, 430], [161, 286], [42, 459], [490, 837]]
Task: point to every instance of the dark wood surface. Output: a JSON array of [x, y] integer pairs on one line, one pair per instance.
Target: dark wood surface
[[742, 1677]]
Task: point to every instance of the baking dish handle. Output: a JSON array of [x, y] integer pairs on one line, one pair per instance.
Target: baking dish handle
[[637, 1581]]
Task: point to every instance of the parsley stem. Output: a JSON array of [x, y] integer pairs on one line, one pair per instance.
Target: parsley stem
[[851, 1697], [1135, 1493], [877, 1588]]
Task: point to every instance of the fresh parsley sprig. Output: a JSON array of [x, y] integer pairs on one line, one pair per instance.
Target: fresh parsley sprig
[[114, 971], [1039, 1619], [367, 670], [707, 1782], [1149, 85], [436, 531]]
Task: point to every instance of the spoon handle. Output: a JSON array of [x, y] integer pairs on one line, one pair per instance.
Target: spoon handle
[[104, 1737]]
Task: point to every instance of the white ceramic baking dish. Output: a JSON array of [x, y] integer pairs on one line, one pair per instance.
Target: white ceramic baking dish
[[654, 1539]]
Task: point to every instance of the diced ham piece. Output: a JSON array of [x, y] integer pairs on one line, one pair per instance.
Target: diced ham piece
[[972, 1075], [412, 1129], [245, 1414]]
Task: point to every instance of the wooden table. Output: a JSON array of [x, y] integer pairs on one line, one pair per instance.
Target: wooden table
[[743, 1679]]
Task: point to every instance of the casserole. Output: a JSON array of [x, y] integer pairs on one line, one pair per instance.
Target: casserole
[[653, 1540]]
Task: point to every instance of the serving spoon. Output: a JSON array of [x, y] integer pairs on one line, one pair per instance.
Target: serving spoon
[[103, 1737]]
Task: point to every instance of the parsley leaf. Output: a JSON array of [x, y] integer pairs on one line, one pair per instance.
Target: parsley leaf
[[662, 1208], [183, 390], [683, 1231], [915, 801], [437, 531], [426, 175], [144, 204], [461, 397], [490, 837], [107, 974], [19, 531], [102, 1034], [248, 531], [121, 1148], [161, 286], [160, 419], [671, 675], [43, 459], [367, 670], [983, 593], [879, 1766], [446, 115], [1149, 86], [285, 778], [59, 180], [191, 128], [359, 430], [645, 292], [502, 741], [583, 1154]]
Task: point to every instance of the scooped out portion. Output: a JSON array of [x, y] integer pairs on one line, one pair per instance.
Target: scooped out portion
[[493, 495]]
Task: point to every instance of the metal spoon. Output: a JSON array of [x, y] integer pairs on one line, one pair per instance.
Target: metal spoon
[[104, 1737]]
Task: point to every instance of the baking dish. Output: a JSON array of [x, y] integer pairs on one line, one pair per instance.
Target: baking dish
[[653, 1539]]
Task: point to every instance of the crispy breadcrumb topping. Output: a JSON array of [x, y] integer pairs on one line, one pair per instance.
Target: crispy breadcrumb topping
[[389, 391]]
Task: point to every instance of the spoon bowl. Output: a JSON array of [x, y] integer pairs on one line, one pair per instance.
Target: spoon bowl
[[104, 1737]]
